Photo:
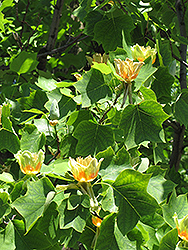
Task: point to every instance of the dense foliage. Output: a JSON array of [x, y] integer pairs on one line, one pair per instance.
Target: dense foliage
[[104, 81]]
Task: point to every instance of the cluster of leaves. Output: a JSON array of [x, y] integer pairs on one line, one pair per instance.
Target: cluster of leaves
[[143, 178]]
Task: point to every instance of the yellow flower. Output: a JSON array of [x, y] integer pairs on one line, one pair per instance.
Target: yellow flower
[[127, 69], [53, 122], [182, 226], [140, 53], [85, 170], [96, 221], [30, 163], [97, 57]]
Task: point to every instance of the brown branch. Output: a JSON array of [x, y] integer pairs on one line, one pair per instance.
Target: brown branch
[[122, 7], [183, 47], [177, 147], [56, 153], [55, 25], [24, 17]]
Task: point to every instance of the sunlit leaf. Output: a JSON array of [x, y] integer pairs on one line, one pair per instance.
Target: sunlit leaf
[[25, 62]]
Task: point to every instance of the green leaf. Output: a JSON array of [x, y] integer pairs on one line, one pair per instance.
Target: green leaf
[[106, 238], [31, 205], [5, 4], [131, 186], [112, 29], [6, 177], [33, 141], [92, 138], [77, 116], [159, 188], [123, 242], [92, 87], [176, 204], [36, 99], [158, 154], [66, 104], [5, 118], [2, 20], [75, 218], [107, 155], [181, 107], [102, 67], [7, 240], [169, 241], [108, 202], [25, 62], [145, 73], [3, 203], [91, 20], [46, 84], [148, 94], [128, 214], [142, 122], [148, 235], [118, 163], [163, 91], [9, 141]]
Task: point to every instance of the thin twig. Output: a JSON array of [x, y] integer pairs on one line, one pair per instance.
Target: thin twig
[[58, 150], [64, 47], [27, 43], [24, 17], [108, 110]]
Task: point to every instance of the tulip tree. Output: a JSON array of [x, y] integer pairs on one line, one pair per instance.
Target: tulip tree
[[93, 125]]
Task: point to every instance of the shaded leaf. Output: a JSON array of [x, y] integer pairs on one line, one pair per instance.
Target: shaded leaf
[[7, 241], [181, 108], [169, 241], [132, 187], [142, 122], [9, 141], [162, 85], [31, 205], [92, 138], [106, 238], [112, 28]]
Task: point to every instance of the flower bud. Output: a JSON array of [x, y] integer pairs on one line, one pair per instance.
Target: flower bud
[[140, 53], [127, 69], [97, 57], [53, 122], [30, 163], [85, 170], [96, 221]]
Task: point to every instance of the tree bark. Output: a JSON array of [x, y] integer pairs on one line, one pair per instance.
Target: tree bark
[[183, 48]]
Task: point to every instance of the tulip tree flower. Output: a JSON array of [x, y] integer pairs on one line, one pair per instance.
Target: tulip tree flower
[[85, 170], [97, 57], [141, 53], [182, 226], [128, 70], [30, 163]]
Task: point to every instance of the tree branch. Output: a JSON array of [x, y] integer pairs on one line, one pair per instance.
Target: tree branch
[[55, 25], [177, 147], [183, 47]]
